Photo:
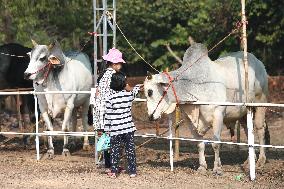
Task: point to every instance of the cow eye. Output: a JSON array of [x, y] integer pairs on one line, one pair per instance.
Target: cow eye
[[150, 92], [42, 58]]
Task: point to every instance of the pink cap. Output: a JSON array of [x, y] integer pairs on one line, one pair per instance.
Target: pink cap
[[114, 56]]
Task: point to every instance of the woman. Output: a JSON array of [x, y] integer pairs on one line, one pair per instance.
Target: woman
[[114, 63]]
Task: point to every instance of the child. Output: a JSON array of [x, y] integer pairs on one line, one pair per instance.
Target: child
[[114, 61], [119, 124]]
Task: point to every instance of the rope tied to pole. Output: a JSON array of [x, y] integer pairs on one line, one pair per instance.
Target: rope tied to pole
[[173, 88], [238, 26], [111, 17]]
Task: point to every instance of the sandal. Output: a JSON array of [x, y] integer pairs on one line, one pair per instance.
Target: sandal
[[133, 175], [111, 175], [120, 170]]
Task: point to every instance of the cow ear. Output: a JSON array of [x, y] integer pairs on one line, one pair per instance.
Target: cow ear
[[164, 85], [149, 75], [54, 60], [56, 56]]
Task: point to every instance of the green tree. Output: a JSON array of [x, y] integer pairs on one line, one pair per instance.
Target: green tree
[[150, 25], [65, 20]]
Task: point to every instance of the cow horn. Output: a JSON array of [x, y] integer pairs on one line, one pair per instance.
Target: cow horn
[[51, 45], [190, 40], [34, 43]]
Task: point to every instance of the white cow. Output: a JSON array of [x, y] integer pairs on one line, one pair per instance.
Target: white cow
[[201, 79], [51, 70]]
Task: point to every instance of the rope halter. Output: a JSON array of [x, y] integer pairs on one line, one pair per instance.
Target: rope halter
[[166, 91]]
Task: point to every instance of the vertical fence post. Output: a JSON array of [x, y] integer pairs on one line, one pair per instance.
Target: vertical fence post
[[157, 128], [171, 144], [37, 134], [177, 132], [249, 114], [251, 143], [244, 43]]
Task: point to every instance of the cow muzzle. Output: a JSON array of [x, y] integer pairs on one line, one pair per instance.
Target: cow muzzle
[[151, 117], [27, 75]]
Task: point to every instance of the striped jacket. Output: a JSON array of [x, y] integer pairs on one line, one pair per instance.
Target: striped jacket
[[118, 118]]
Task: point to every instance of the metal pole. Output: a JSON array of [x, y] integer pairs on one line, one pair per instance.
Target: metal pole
[[37, 134], [104, 27], [95, 71], [101, 13], [171, 144], [114, 21], [251, 143], [95, 42]]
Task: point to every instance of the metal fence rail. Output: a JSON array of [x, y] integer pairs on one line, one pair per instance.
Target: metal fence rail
[[170, 137]]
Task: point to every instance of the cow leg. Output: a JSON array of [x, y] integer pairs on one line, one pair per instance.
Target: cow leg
[[28, 127], [260, 125], [43, 106], [74, 125], [66, 122], [202, 162], [50, 151], [85, 110], [201, 150], [201, 146], [217, 128]]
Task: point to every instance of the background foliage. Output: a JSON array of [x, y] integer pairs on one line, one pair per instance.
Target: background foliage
[[150, 24]]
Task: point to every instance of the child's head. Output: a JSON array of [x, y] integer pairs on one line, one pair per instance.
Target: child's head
[[116, 66], [114, 56], [118, 81]]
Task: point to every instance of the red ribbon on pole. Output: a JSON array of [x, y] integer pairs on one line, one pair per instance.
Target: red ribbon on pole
[[93, 33]]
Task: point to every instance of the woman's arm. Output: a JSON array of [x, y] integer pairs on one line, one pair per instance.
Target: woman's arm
[[108, 116]]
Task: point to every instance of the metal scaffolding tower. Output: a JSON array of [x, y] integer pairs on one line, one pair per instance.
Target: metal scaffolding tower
[[104, 28]]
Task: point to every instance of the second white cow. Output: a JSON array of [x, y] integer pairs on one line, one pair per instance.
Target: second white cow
[[201, 79]]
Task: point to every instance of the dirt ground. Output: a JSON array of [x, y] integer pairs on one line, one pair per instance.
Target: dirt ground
[[20, 169]]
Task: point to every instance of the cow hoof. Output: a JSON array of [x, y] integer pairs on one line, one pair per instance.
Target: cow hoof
[[50, 154], [217, 171], [202, 170], [86, 147], [246, 164], [66, 153], [261, 162]]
